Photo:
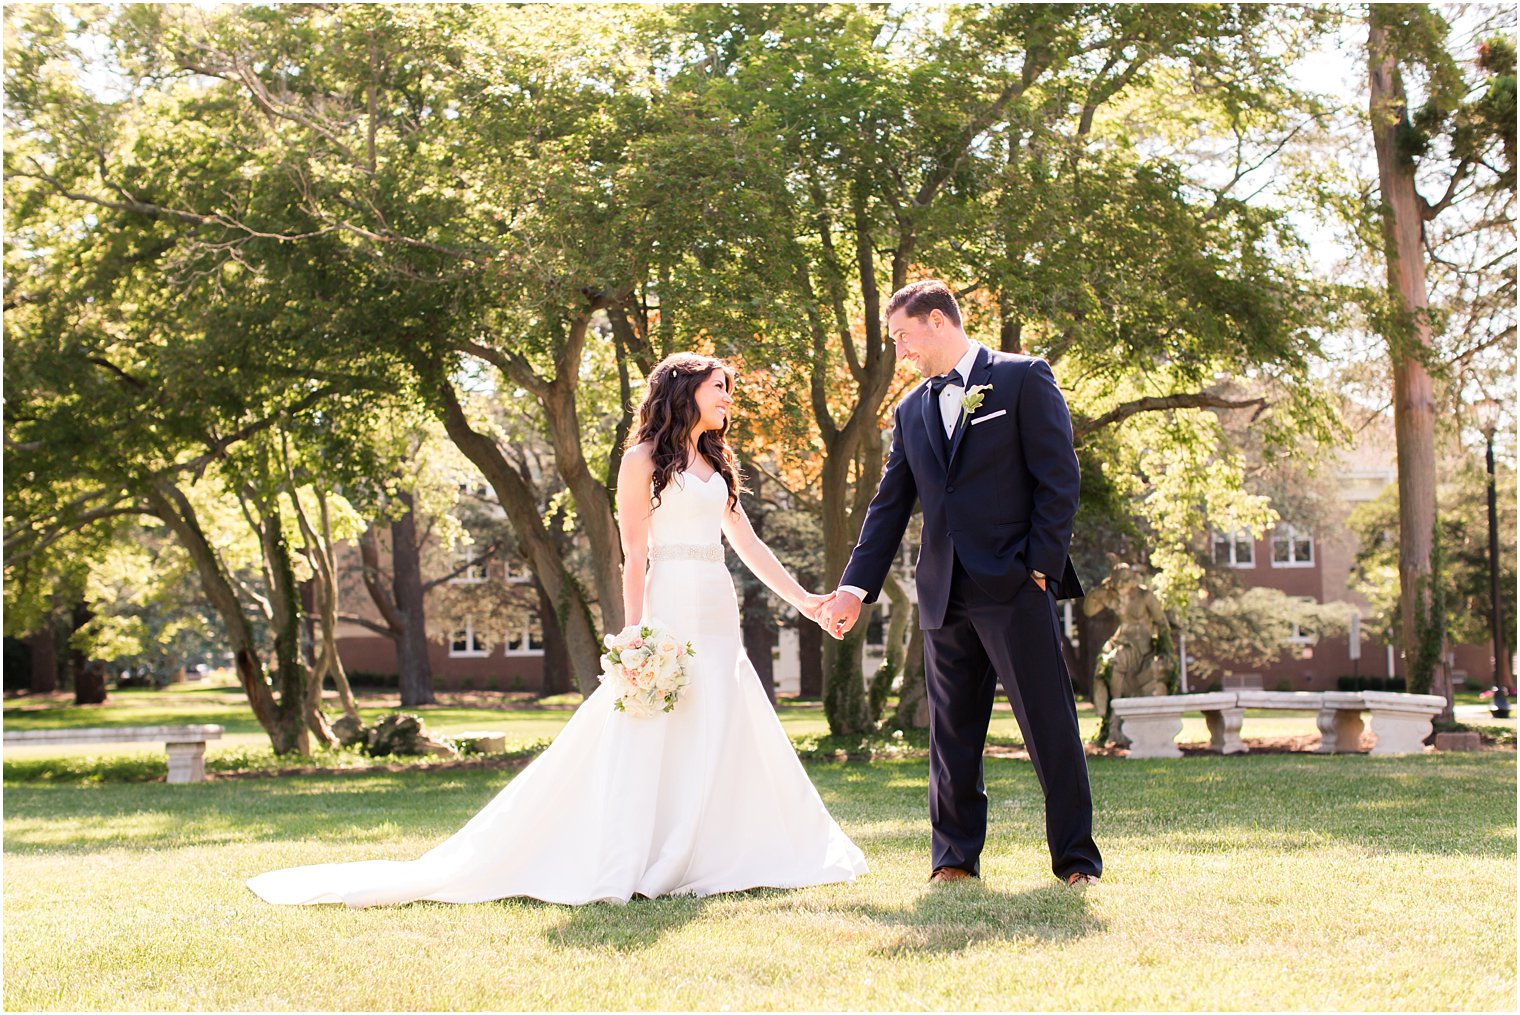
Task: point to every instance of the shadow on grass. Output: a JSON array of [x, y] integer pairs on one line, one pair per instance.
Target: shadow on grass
[[640, 925], [940, 921], [950, 918]]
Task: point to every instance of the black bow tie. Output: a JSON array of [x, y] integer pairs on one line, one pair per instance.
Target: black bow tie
[[937, 384]]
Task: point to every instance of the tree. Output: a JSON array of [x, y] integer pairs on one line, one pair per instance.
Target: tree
[[152, 363], [1462, 510], [1462, 137], [977, 149]]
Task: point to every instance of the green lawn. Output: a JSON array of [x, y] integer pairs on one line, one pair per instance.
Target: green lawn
[[1259, 882], [227, 707]]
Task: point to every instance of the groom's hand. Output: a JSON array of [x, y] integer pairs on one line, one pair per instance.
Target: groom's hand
[[840, 613], [813, 605]]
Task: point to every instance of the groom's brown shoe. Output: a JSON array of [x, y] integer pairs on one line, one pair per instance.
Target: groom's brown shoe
[[1080, 880], [944, 875]]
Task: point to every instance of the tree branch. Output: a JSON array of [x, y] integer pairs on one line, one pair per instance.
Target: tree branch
[[1193, 400]]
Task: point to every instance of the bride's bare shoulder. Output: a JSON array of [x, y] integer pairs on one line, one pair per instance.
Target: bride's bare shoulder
[[640, 456]]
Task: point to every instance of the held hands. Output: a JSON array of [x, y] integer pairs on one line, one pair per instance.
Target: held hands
[[813, 605], [839, 614]]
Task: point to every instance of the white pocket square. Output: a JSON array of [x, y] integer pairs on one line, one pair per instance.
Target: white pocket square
[[990, 415]]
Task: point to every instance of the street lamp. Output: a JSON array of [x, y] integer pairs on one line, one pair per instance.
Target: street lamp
[[1489, 410]]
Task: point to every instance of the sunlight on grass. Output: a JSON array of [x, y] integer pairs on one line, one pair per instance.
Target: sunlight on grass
[[1317, 882]]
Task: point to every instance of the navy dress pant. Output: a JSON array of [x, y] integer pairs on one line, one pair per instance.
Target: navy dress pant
[[984, 643]]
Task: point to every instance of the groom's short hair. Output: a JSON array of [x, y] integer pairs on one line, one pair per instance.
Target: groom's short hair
[[918, 298]]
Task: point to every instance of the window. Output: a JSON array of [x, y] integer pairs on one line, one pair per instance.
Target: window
[[1292, 547], [519, 573], [528, 638], [466, 643], [876, 628], [1234, 549], [474, 571], [1299, 635]]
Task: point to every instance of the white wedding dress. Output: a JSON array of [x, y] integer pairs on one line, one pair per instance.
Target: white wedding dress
[[707, 798]]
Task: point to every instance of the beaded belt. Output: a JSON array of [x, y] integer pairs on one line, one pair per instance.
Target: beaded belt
[[710, 552]]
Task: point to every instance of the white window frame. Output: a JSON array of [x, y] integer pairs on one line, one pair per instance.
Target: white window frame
[[524, 576], [479, 651], [1298, 637], [525, 638], [1291, 534], [473, 574], [1236, 539]]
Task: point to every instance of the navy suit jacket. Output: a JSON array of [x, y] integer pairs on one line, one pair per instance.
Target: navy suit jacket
[[1001, 497]]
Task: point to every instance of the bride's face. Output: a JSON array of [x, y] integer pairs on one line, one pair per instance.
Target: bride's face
[[714, 403]]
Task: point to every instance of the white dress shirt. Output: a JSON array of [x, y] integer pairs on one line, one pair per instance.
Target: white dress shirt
[[950, 396], [949, 412]]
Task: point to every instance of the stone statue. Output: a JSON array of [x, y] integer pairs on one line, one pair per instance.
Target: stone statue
[[1139, 660]]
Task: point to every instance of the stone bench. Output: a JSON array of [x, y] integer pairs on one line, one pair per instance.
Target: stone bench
[[186, 744], [1400, 722]]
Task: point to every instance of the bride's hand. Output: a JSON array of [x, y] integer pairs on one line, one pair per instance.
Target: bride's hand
[[812, 605]]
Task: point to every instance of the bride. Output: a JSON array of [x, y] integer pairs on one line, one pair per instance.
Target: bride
[[707, 798]]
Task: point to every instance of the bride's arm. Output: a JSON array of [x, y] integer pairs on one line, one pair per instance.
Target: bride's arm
[[764, 565], [634, 499]]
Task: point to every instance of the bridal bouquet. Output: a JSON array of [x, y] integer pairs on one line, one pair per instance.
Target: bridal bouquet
[[647, 666]]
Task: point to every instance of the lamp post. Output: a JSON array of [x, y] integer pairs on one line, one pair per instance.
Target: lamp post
[[1489, 411]]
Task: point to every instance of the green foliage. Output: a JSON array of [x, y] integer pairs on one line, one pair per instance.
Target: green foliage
[[1252, 628], [1464, 579], [317, 219]]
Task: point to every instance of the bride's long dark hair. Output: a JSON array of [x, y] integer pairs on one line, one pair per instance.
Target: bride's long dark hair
[[669, 413]]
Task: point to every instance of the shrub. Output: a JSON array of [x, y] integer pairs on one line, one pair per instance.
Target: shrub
[[365, 678], [1348, 683]]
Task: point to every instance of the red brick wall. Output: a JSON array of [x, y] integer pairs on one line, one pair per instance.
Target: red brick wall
[[496, 671]]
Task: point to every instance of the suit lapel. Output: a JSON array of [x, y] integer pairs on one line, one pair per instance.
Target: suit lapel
[[981, 373], [934, 425]]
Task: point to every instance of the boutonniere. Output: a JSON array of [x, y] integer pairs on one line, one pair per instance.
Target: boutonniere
[[972, 399]]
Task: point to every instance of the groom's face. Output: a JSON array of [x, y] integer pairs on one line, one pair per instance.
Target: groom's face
[[921, 341]]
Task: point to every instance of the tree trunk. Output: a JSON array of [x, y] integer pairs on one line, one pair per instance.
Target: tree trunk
[[759, 622], [593, 504], [854, 447], [416, 671], [169, 503], [324, 588], [760, 635], [844, 692], [298, 716], [44, 651], [1092, 633], [88, 676], [892, 665], [810, 659], [1010, 328], [1408, 334], [516, 496], [913, 705], [90, 683], [556, 659]]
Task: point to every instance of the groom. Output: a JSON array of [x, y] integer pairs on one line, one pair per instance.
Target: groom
[[986, 446]]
